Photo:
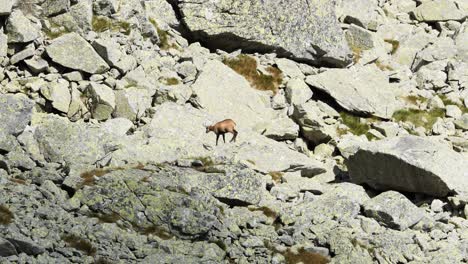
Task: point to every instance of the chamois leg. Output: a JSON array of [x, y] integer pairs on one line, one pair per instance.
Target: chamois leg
[[224, 138], [234, 136], [217, 137]]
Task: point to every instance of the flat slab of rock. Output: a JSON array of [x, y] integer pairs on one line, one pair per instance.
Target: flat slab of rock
[[441, 10], [74, 52], [394, 210], [411, 164], [314, 35], [177, 132], [361, 90], [15, 113]]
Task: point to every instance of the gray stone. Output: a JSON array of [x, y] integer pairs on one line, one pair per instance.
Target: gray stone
[[23, 54], [282, 128], [443, 127], [37, 65], [5, 7], [117, 126], [109, 50], [289, 68], [393, 210], [362, 13], [297, 92], [354, 89], [103, 101], [162, 12], [266, 26], [72, 51], [453, 111], [20, 29], [132, 103], [15, 113], [27, 247], [441, 10], [310, 118], [441, 49], [3, 44], [78, 19], [437, 206], [60, 96], [462, 122], [411, 164], [6, 248], [54, 7]]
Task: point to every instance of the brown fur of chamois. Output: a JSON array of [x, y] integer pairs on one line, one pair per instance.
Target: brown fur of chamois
[[223, 127]]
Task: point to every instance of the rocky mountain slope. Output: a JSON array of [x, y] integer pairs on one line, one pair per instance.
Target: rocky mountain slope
[[352, 119]]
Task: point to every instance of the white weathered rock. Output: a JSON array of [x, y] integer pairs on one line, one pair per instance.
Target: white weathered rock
[[5, 7], [27, 52], [282, 128], [443, 127], [310, 117], [117, 126], [37, 65], [462, 122], [366, 45], [432, 76], [103, 101], [411, 164], [78, 19], [162, 12], [453, 111], [393, 210], [441, 49], [289, 68], [60, 96], [297, 91], [108, 49], [131, 103], [3, 44], [440, 10], [20, 29], [15, 113], [362, 13], [225, 94], [72, 51], [355, 90]]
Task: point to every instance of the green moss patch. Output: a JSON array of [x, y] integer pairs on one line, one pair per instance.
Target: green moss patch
[[419, 118], [164, 36], [355, 126], [247, 66], [171, 81], [101, 24], [447, 101], [6, 216]]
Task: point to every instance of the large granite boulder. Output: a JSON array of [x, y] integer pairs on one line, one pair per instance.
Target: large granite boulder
[[361, 90], [411, 164], [15, 113], [266, 26], [74, 52]]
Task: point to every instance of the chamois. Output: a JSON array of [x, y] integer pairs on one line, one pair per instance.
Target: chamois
[[223, 127]]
